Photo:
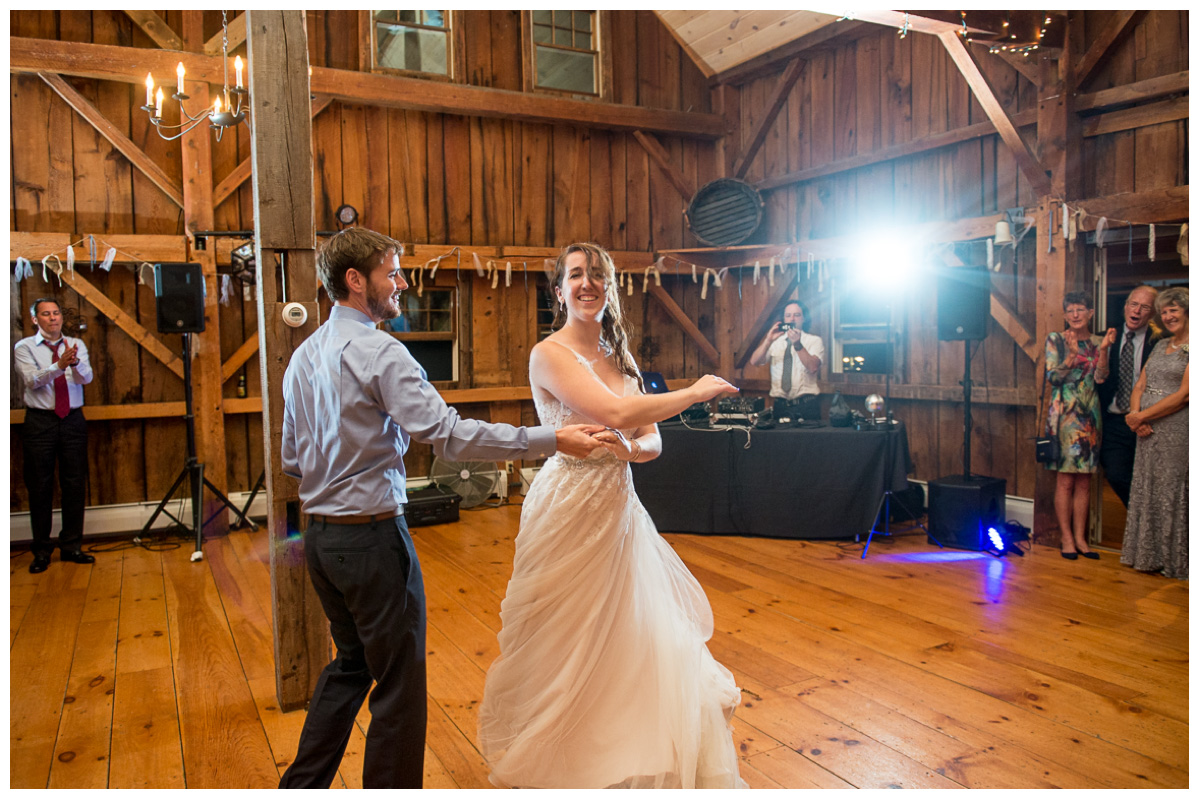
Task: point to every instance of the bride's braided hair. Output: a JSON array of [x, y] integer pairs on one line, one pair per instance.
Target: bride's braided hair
[[613, 333]]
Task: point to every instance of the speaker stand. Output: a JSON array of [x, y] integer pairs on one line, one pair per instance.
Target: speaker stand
[[258, 485], [193, 472], [885, 502]]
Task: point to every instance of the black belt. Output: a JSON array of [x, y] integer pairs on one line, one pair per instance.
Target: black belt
[[357, 519]]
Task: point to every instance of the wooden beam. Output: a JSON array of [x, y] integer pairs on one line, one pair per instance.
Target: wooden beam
[[1014, 326], [108, 308], [982, 89], [1020, 63], [1139, 91], [281, 150], [119, 140], [157, 29], [914, 20], [129, 65], [778, 297], [196, 152], [131, 248], [1143, 208], [241, 173], [240, 357], [659, 156], [903, 150], [684, 321], [997, 396], [1138, 117], [1120, 24], [237, 35], [779, 96]]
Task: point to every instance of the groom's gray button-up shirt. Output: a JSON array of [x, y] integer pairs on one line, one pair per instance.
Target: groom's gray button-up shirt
[[353, 396]]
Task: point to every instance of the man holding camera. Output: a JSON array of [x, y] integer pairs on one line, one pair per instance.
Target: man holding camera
[[795, 357]]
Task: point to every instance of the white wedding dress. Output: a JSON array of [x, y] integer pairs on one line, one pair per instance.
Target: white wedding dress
[[604, 678]]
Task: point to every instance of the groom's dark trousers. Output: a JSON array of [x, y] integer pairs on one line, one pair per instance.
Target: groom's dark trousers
[[370, 586]]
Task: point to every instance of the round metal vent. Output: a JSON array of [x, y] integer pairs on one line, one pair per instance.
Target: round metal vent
[[724, 212]]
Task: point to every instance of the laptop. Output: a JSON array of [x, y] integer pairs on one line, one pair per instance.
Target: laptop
[[655, 383]]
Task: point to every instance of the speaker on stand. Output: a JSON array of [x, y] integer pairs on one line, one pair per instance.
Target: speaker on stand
[[962, 507], [179, 296]]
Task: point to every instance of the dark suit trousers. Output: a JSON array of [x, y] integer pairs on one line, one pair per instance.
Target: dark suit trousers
[[48, 440], [1117, 448], [370, 586]]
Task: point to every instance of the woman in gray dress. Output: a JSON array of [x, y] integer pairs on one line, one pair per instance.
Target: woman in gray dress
[[1156, 533]]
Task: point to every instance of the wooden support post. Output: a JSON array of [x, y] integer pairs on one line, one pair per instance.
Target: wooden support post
[[1060, 146], [281, 152], [198, 216]]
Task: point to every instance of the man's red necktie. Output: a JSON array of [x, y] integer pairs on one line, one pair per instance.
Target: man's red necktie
[[62, 399]]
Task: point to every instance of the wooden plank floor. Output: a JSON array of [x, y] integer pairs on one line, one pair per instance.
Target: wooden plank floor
[[913, 668]]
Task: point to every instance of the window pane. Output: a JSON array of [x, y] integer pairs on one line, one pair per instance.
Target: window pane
[[387, 16], [566, 70], [583, 40], [562, 36], [407, 16], [583, 21], [562, 19], [435, 18], [411, 49], [541, 34], [543, 17]]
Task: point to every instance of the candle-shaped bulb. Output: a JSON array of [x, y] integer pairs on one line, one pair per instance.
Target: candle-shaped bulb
[[216, 107], [179, 74], [237, 69], [158, 104], [149, 89]]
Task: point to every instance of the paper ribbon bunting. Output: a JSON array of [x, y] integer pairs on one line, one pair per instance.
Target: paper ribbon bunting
[[990, 256], [1181, 246], [1150, 245], [1100, 231], [141, 273], [507, 274], [478, 266], [718, 277], [24, 269], [226, 289], [693, 273], [92, 250], [57, 271], [653, 268], [757, 266], [771, 272], [621, 280], [704, 285], [107, 263], [70, 259], [629, 287], [418, 280], [432, 265]]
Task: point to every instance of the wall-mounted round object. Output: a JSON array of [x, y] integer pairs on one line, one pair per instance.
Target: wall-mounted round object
[[347, 215], [295, 314], [725, 212]]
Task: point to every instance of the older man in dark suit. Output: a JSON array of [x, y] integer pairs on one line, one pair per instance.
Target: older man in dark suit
[[1134, 342]]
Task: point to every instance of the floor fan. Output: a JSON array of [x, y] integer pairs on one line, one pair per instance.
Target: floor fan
[[472, 481]]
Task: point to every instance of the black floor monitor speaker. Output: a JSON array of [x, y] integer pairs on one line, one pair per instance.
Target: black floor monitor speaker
[[963, 303], [179, 294], [962, 508]]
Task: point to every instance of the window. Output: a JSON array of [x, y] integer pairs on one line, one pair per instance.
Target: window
[[564, 47], [546, 303], [861, 329], [411, 41], [428, 327]]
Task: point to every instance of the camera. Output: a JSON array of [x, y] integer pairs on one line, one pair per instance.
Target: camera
[[786, 326]]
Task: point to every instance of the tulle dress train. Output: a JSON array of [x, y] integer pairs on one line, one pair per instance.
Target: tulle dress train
[[604, 678]]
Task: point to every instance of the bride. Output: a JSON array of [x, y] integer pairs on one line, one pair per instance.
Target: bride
[[603, 678]]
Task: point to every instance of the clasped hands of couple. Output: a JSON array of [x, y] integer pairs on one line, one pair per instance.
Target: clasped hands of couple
[[1133, 419], [578, 441]]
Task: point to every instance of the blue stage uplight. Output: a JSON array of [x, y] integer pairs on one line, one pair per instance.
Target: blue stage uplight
[[996, 539]]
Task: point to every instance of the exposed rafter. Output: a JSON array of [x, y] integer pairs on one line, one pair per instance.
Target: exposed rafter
[[1117, 28], [779, 96], [660, 157], [986, 95], [157, 29]]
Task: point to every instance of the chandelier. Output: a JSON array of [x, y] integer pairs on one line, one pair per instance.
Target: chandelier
[[219, 116]]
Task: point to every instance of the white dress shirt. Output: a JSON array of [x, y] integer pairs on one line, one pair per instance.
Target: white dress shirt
[[803, 381], [38, 369]]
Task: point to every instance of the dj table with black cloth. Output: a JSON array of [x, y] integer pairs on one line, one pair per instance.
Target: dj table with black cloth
[[799, 483]]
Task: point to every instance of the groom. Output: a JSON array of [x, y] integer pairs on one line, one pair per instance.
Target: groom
[[353, 399]]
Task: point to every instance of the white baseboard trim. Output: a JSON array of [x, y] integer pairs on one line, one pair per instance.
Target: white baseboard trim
[[128, 517]]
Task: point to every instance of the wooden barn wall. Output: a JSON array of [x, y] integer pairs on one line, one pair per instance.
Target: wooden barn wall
[[878, 91], [420, 177]]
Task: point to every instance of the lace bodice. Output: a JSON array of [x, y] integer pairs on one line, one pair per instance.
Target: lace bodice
[[553, 412]]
